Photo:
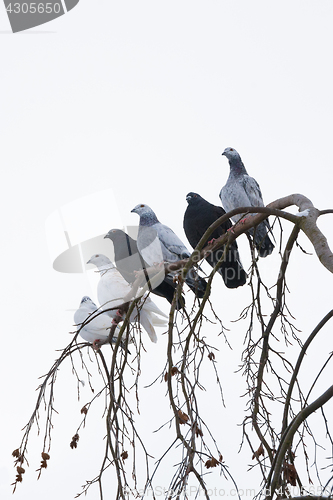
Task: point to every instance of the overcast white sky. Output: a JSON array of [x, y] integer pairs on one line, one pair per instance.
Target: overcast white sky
[[137, 100]]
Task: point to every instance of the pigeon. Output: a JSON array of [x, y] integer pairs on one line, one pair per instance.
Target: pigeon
[[199, 215], [98, 328], [241, 190], [157, 243], [128, 260], [111, 290]]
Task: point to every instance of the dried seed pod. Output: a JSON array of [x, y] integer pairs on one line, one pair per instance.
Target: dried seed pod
[[73, 443], [259, 452], [212, 462], [183, 418]]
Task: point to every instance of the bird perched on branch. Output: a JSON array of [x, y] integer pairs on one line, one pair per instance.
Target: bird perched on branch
[[98, 323], [199, 215], [128, 260], [241, 190], [157, 243], [111, 290]]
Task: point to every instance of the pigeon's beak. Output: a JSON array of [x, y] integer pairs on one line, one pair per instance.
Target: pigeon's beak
[[223, 154], [89, 262], [106, 236], [133, 211], [188, 197]]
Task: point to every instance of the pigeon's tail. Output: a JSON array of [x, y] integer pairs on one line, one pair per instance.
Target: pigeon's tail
[[262, 241], [146, 320], [198, 285], [150, 306], [231, 268], [156, 321], [266, 247]]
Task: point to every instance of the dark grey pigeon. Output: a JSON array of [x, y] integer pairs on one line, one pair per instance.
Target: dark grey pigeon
[[241, 190], [199, 215], [158, 243], [128, 260]]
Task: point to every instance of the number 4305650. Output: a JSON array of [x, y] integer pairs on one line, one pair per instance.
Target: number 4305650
[[34, 7]]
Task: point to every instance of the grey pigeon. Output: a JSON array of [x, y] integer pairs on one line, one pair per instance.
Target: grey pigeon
[[199, 215], [128, 260], [158, 243], [241, 190]]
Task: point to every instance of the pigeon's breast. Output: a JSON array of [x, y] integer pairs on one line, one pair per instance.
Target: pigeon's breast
[[233, 196]]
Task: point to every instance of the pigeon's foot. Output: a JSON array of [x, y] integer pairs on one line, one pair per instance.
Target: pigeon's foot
[[95, 345], [211, 241], [231, 229], [158, 264], [242, 221]]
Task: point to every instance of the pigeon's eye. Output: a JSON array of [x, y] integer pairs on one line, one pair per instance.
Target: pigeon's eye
[[141, 206], [231, 149], [96, 255]]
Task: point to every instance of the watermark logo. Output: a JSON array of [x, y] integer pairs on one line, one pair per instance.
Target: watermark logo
[[26, 14], [77, 231]]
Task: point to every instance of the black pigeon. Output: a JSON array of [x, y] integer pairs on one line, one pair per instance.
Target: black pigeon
[[199, 215], [241, 190], [128, 260]]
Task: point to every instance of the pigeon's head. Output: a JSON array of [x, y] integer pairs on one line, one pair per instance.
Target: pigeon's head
[[231, 154], [147, 215], [142, 209], [193, 198], [114, 233], [87, 301], [100, 260]]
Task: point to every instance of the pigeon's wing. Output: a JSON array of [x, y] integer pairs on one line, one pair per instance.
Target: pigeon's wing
[[252, 190], [149, 245], [216, 213], [234, 195], [172, 247], [111, 290], [197, 220]]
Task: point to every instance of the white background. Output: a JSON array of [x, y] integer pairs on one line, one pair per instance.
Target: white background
[[141, 97]]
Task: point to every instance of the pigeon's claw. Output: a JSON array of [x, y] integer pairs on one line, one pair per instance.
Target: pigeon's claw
[[95, 345], [231, 229], [211, 241]]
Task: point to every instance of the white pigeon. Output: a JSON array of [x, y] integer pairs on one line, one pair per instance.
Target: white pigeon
[[111, 290], [98, 328]]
